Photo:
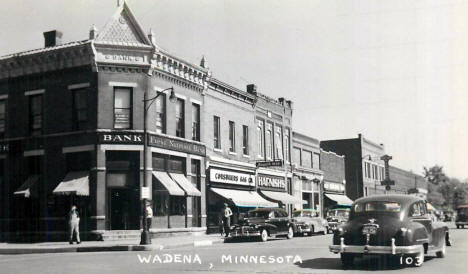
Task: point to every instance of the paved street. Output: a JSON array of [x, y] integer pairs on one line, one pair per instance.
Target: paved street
[[299, 255]]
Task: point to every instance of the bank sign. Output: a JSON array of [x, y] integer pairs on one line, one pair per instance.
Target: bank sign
[[230, 177], [271, 182], [153, 140]]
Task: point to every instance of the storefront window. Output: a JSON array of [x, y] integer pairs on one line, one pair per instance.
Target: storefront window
[[177, 205], [161, 113], [123, 108]]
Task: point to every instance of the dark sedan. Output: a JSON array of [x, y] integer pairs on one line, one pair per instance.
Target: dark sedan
[[394, 225], [264, 223]]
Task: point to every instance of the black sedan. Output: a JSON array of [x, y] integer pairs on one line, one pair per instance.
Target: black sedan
[[264, 223], [394, 225]]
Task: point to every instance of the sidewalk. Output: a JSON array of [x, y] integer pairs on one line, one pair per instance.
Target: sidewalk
[[121, 245]]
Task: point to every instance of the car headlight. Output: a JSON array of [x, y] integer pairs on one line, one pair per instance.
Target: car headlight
[[340, 231], [404, 230]]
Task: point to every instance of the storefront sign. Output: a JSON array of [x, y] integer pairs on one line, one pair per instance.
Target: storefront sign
[[269, 163], [334, 187], [145, 192], [271, 182], [120, 138], [177, 145], [229, 177]]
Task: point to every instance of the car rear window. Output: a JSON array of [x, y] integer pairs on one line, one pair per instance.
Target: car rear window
[[380, 206]]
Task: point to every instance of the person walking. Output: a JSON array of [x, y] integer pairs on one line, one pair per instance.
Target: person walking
[[148, 215], [74, 224], [227, 219]]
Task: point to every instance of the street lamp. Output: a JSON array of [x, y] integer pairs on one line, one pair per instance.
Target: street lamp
[[145, 235]]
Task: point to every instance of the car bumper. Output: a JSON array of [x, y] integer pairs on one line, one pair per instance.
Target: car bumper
[[368, 249], [303, 229], [237, 233], [461, 223]]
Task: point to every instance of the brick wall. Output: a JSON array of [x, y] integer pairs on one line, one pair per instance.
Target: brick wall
[[333, 166]]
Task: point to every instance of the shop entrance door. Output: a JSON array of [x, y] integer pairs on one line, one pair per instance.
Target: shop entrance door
[[123, 209]]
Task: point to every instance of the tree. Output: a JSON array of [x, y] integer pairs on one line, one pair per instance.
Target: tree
[[435, 175]]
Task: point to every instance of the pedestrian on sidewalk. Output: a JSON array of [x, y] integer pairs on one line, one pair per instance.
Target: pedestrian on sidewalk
[[148, 215], [74, 224], [227, 219]]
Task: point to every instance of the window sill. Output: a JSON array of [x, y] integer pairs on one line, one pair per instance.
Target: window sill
[[217, 150], [232, 153], [245, 156]]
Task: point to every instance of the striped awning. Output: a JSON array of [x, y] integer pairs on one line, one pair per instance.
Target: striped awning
[[75, 182], [168, 183], [187, 186]]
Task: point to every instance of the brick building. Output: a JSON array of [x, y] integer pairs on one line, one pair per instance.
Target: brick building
[[407, 182]]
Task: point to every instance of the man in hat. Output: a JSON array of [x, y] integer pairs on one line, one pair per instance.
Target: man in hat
[[74, 224], [148, 215], [227, 219]]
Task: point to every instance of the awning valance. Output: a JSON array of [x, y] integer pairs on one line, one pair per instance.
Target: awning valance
[[243, 198], [340, 199], [187, 186], [282, 197], [168, 183], [29, 187], [76, 182]]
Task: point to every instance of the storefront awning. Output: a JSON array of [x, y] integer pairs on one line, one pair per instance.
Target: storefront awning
[[243, 198], [340, 199], [282, 197], [168, 183], [28, 187], [76, 182], [185, 184]]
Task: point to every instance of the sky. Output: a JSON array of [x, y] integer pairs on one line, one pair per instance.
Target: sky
[[395, 71]]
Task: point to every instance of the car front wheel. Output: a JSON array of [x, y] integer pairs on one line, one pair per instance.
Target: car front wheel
[[290, 233], [442, 252], [264, 235]]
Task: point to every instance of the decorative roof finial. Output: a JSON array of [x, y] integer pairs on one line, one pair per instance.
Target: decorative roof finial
[[203, 62], [92, 32], [151, 37]]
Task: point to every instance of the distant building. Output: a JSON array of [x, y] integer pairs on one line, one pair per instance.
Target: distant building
[[334, 180], [407, 182]]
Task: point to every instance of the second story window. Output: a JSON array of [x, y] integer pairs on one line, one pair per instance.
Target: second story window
[[195, 122], [161, 113], [269, 141], [286, 146], [35, 114], [316, 160], [216, 132], [2, 118], [232, 136], [122, 108], [179, 115], [297, 157], [261, 139], [80, 109], [279, 143], [245, 140]]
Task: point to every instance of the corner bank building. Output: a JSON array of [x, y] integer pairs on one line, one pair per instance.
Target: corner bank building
[[72, 132]]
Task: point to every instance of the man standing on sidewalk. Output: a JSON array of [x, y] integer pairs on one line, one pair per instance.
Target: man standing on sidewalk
[[227, 219], [74, 224], [149, 216]]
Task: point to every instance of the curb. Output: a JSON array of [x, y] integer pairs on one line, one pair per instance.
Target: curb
[[38, 250]]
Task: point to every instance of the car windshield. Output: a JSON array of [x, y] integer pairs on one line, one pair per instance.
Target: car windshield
[[305, 214], [338, 213], [374, 206], [258, 214]]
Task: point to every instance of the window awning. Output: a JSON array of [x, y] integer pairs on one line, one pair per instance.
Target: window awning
[[168, 183], [75, 182], [340, 199], [282, 197], [244, 198], [185, 184], [28, 187]]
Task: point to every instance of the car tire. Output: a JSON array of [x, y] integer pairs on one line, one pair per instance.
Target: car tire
[[290, 233], [347, 259], [264, 235], [325, 231], [419, 257], [441, 253]]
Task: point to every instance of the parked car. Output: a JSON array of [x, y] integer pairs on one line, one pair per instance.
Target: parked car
[[394, 225], [336, 217], [264, 223], [462, 216], [308, 221]]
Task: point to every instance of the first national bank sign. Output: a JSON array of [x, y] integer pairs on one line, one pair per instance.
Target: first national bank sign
[[153, 140]]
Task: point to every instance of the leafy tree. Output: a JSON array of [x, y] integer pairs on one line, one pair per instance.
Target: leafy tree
[[435, 175]]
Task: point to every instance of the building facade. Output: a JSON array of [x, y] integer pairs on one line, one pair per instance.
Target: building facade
[[407, 182], [308, 176], [364, 170], [73, 132]]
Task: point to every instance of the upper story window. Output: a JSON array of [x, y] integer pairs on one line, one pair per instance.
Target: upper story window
[[80, 108], [279, 143], [307, 158], [232, 136], [179, 115], [216, 132], [286, 146], [261, 139], [161, 113], [195, 122], [269, 141], [245, 140], [123, 108], [316, 160], [297, 154], [35, 114], [2, 118]]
